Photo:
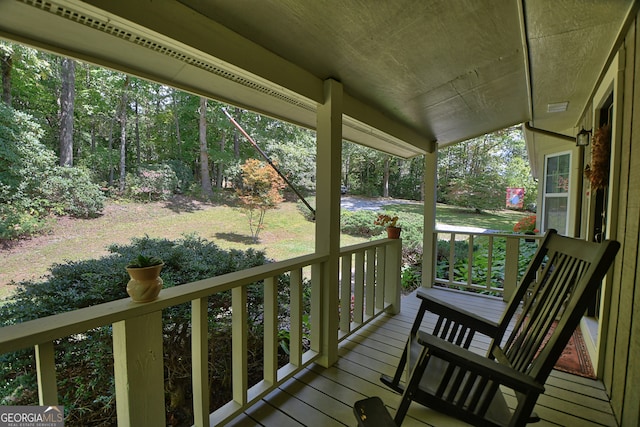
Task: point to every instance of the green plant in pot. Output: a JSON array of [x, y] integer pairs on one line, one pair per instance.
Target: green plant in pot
[[389, 222], [145, 283]]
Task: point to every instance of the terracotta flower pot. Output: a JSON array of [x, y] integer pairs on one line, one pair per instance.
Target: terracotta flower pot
[[145, 283], [393, 232]]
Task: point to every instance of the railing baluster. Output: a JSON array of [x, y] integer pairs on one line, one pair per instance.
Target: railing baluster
[[46, 369], [489, 263], [370, 280], [270, 330], [470, 261], [358, 289], [380, 276], [317, 315], [452, 256], [200, 361], [239, 344], [345, 294], [295, 318]]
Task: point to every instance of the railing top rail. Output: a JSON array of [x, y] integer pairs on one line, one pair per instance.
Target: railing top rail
[[366, 245], [489, 233], [38, 331]]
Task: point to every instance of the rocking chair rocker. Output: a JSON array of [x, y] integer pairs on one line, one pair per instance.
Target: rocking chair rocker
[[443, 374]]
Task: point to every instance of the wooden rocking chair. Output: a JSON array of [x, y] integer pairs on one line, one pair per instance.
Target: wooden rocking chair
[[561, 281]]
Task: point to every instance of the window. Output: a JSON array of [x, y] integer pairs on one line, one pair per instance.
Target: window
[[555, 208]]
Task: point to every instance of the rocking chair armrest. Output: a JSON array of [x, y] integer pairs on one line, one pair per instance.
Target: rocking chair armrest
[[460, 315], [480, 365]]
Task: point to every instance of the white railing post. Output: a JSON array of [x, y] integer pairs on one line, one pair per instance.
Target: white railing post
[[295, 317], [271, 330], [46, 369], [200, 361], [380, 276], [370, 282], [345, 294], [317, 313], [392, 283], [239, 331], [358, 289], [511, 267], [138, 370]]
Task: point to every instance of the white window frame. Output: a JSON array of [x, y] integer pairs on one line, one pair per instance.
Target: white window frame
[[545, 195]]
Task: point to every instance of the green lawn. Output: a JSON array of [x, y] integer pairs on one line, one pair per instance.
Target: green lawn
[[286, 234], [502, 220]]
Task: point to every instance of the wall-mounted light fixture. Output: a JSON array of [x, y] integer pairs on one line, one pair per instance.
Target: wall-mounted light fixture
[[583, 138]]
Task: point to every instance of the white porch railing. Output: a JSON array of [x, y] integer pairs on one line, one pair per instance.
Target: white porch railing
[[499, 278], [138, 331]]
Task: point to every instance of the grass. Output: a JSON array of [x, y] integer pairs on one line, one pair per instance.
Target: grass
[[501, 220], [286, 234]]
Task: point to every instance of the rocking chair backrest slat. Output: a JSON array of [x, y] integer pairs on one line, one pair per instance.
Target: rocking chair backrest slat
[[559, 295]]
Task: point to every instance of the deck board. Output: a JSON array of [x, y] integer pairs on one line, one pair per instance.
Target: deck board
[[324, 397]]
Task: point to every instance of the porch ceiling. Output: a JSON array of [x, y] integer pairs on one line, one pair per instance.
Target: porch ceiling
[[414, 72]]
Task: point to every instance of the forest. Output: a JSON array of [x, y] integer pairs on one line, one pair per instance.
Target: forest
[[73, 134]]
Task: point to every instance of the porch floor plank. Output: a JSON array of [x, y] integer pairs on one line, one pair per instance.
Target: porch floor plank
[[325, 396]]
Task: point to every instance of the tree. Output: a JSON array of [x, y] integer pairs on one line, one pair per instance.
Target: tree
[[122, 119], [67, 102], [6, 64], [477, 172], [261, 191], [204, 153]]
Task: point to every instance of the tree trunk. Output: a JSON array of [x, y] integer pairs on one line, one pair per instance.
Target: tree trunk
[[204, 152], [6, 65], [177, 121], [236, 138], [67, 102], [385, 183], [111, 166], [137, 131], [123, 134], [220, 168]]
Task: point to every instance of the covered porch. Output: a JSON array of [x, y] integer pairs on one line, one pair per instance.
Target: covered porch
[[372, 318], [320, 396], [404, 80]]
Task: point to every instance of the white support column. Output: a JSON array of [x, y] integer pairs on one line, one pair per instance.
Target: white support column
[[329, 158], [138, 370], [429, 242]]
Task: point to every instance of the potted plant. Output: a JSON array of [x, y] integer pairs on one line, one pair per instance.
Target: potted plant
[[393, 231], [145, 283]]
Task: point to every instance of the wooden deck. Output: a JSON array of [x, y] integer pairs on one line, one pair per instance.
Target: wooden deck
[[324, 397]]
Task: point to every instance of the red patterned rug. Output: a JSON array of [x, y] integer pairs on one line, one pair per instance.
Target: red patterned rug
[[575, 357]]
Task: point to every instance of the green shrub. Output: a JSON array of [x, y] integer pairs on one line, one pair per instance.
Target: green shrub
[[183, 173], [24, 164], [70, 191], [360, 223], [31, 185], [84, 363], [153, 182]]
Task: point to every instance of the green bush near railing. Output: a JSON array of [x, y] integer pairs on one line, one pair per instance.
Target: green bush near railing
[[84, 364], [480, 263]]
